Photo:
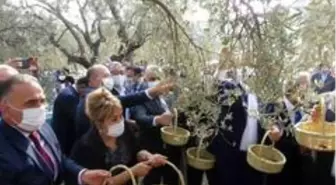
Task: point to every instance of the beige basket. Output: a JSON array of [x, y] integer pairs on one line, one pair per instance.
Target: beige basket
[[316, 134], [120, 166], [320, 137], [266, 159], [206, 161], [175, 136]]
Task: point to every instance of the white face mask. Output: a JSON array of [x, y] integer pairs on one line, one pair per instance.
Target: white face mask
[[152, 84], [108, 83], [32, 118], [117, 129], [118, 79]]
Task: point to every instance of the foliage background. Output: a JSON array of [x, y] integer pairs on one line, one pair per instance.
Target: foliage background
[[274, 38]]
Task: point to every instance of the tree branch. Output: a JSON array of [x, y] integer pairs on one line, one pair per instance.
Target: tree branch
[[122, 33], [56, 12]]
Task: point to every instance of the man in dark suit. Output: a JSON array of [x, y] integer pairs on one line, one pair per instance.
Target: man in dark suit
[[30, 152], [64, 112], [99, 75], [322, 80], [151, 116]]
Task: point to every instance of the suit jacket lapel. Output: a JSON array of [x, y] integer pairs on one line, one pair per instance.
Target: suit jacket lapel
[[20, 142]]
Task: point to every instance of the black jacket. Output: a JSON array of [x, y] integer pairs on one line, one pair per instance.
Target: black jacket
[[90, 151], [63, 118]]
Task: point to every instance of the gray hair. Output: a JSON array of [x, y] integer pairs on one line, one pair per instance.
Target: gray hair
[[291, 84], [6, 86], [302, 74], [156, 70], [114, 64]]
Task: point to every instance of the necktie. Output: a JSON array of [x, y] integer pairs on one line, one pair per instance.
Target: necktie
[[35, 138]]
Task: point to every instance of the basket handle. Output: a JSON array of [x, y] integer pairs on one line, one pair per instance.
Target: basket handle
[[178, 172], [265, 137], [120, 166], [175, 119]]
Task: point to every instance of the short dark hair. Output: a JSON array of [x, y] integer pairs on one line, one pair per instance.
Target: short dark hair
[[70, 79], [136, 70], [82, 81], [6, 86]]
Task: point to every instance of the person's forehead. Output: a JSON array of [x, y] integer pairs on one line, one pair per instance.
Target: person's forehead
[[102, 71], [26, 91]]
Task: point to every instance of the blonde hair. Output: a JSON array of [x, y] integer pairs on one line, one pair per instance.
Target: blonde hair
[[100, 104]]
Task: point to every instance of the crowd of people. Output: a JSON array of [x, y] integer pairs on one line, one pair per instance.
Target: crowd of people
[[113, 115]]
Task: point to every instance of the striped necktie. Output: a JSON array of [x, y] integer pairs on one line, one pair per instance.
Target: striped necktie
[[35, 138]]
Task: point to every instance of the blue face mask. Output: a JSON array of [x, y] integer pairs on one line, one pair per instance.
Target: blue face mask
[[152, 84]]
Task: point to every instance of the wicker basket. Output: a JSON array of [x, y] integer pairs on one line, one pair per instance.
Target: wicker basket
[[316, 134], [320, 137], [180, 175], [206, 161], [264, 158], [120, 166], [175, 136]]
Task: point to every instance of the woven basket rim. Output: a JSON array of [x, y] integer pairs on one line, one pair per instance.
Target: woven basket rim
[[281, 162], [187, 132], [300, 130], [200, 159]]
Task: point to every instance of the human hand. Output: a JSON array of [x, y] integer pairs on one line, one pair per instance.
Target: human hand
[[94, 177], [161, 89], [141, 169], [275, 133], [164, 119], [15, 63], [157, 160]]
